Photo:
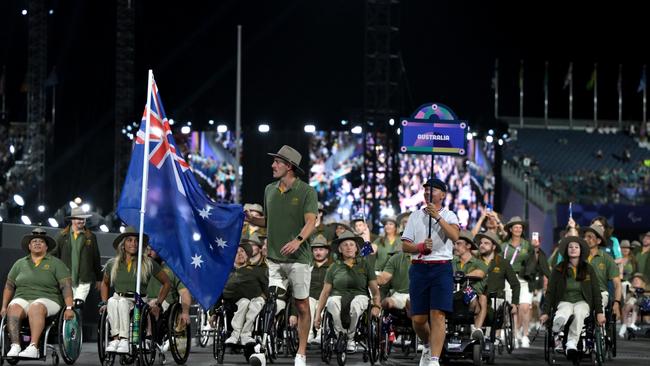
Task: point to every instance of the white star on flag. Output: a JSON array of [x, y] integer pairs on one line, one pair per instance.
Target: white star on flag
[[205, 213], [221, 243], [196, 261]]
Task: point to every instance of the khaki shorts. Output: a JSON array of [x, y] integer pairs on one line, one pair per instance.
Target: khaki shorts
[[399, 299], [525, 296], [80, 292], [298, 274], [51, 306]]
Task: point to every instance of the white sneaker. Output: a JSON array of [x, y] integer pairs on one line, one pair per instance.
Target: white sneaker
[[558, 323], [123, 346], [300, 360], [259, 359], [525, 342], [352, 347], [622, 331], [432, 363], [165, 346], [112, 345], [426, 356], [30, 352], [420, 347], [233, 339], [14, 350], [477, 334]]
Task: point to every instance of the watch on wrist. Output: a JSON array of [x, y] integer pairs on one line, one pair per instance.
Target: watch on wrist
[[68, 308], [299, 238]]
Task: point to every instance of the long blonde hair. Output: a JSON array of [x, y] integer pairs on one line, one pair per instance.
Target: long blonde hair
[[120, 258]]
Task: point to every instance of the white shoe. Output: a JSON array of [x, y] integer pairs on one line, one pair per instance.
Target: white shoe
[[123, 346], [14, 350], [558, 323], [426, 357], [112, 345], [622, 331], [517, 343], [233, 339], [352, 347], [525, 342], [165, 346], [300, 360], [420, 347], [30, 352], [259, 359]]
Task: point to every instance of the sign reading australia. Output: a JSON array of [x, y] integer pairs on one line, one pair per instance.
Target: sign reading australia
[[440, 137]]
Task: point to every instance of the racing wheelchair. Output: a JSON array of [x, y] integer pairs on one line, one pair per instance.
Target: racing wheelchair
[[367, 335], [142, 337], [68, 334]]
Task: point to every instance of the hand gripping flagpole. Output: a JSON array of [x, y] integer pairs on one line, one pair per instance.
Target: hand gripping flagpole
[[143, 200]]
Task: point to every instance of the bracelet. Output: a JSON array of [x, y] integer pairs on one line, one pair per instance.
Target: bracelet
[[69, 307], [376, 306]]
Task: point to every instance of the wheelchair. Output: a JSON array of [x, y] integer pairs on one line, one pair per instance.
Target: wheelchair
[[169, 331], [68, 334], [368, 335], [287, 334], [609, 332], [203, 329], [142, 338], [458, 342], [643, 310], [397, 324], [499, 317], [591, 343]]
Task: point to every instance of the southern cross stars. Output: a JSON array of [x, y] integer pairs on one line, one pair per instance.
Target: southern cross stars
[[221, 243], [205, 213], [196, 261]]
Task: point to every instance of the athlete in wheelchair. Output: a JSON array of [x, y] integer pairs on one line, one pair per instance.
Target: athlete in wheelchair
[[173, 324], [573, 294], [117, 334], [38, 297], [345, 293]]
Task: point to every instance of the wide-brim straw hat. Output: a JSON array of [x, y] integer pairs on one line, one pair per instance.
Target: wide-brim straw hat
[[490, 236], [598, 230], [392, 219], [467, 236], [584, 247], [130, 231], [335, 224], [78, 213], [515, 220], [254, 207], [402, 215], [253, 239], [347, 235], [40, 234], [320, 241], [290, 155]]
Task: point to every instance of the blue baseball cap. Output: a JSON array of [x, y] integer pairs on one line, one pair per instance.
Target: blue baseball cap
[[436, 183]]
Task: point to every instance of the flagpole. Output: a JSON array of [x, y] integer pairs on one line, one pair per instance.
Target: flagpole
[[496, 89], [571, 95], [596, 95], [4, 96], [620, 96], [238, 120], [145, 178], [546, 94], [521, 94], [53, 105], [645, 87]]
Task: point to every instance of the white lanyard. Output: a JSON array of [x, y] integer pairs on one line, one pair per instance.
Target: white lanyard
[[514, 256]]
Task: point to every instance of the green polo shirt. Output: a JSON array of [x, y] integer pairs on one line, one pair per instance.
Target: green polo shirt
[[605, 268], [629, 269], [573, 291], [35, 281], [346, 280], [153, 289], [247, 282], [285, 218], [641, 259], [317, 280], [125, 279], [76, 244], [508, 251], [384, 248], [472, 264], [398, 265]]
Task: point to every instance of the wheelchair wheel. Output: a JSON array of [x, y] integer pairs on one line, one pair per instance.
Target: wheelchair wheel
[[508, 325], [611, 337], [341, 349], [147, 345], [374, 337], [327, 338], [180, 336], [477, 354], [219, 338], [202, 335], [598, 355], [70, 336], [103, 337]]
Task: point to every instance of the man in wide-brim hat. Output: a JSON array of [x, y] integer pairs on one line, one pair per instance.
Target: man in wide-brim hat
[[320, 249], [77, 247]]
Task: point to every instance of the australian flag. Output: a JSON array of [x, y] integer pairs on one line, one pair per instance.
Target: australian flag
[[196, 237]]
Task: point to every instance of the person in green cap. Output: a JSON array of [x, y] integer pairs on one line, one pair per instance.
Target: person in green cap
[[37, 286], [77, 247], [387, 244], [464, 261], [345, 292], [120, 273]]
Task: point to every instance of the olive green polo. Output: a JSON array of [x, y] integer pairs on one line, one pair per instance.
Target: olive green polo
[[346, 280], [641, 260], [573, 291], [247, 282], [472, 264], [285, 218], [39, 281], [605, 268], [398, 265], [384, 248], [318, 279], [153, 289], [125, 279], [520, 254]]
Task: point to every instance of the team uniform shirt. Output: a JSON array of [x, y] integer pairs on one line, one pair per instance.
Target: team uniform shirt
[[398, 265], [384, 248], [318, 280], [573, 292], [472, 264], [605, 268], [153, 289], [125, 279], [39, 280], [247, 282], [516, 256], [417, 230], [346, 280]]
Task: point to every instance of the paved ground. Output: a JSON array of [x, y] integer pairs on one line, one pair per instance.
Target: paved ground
[[631, 353]]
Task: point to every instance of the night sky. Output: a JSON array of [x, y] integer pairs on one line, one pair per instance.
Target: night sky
[[303, 61]]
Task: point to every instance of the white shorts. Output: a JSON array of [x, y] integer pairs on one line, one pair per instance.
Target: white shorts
[[525, 296], [298, 274], [80, 292], [399, 299], [51, 306]]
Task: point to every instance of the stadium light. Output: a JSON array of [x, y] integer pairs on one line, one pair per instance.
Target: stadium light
[[72, 204], [469, 136], [1, 219], [222, 128], [489, 139], [41, 208], [500, 142], [344, 122], [189, 123], [129, 128], [51, 11], [53, 222], [356, 130], [25, 219], [391, 121], [122, 229], [171, 122], [310, 128], [399, 131], [85, 207], [24, 12], [490, 132], [103, 228], [185, 130], [123, 131], [12, 149], [211, 122], [78, 200], [263, 128], [19, 200]]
